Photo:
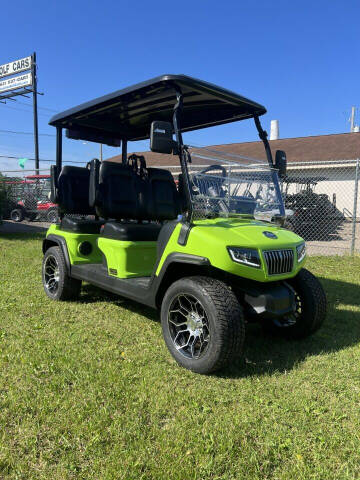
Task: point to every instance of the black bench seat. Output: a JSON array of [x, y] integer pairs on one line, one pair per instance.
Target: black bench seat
[[131, 232], [81, 225]]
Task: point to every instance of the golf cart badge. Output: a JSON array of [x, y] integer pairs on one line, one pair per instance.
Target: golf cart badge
[[269, 235]]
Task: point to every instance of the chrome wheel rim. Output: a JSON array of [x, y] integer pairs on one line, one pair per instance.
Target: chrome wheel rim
[[188, 326], [15, 216], [51, 274], [291, 319]]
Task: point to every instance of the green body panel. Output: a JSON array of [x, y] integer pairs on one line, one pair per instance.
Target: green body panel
[[207, 238], [73, 240], [210, 239], [128, 259]]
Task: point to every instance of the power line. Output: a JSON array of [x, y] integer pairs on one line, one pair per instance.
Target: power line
[[41, 108], [22, 110], [27, 133]]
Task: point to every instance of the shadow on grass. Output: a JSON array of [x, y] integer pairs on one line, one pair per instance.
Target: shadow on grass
[[91, 294], [21, 231], [265, 354]]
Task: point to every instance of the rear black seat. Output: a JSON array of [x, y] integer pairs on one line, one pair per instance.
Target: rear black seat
[[72, 197], [119, 193]]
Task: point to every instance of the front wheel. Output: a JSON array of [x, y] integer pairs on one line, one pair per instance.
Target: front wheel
[[17, 215], [56, 281], [309, 312], [202, 324]]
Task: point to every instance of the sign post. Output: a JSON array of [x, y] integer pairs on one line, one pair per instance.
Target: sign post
[[36, 132], [22, 84]]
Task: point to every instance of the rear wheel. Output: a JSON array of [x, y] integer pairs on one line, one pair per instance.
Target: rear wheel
[[56, 281], [202, 323], [17, 215], [310, 308]]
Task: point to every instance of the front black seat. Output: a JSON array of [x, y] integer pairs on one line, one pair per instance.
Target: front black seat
[[162, 201], [126, 196], [72, 197]]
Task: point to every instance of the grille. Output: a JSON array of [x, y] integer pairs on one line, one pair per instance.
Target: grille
[[279, 261]]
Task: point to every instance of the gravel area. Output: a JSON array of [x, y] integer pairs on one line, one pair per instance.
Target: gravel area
[[338, 244]]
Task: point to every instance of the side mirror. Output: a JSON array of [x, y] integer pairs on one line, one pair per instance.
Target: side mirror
[[280, 162], [161, 137]]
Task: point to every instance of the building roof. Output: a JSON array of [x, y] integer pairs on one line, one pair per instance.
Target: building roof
[[320, 148]]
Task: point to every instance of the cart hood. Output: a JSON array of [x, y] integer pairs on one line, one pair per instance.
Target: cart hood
[[246, 233]]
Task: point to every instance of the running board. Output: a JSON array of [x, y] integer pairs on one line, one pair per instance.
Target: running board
[[140, 289]]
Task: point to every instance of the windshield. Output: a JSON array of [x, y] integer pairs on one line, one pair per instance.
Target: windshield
[[229, 185]]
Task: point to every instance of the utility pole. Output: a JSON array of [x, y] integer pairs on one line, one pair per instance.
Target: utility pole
[[101, 156], [352, 119], [36, 132]]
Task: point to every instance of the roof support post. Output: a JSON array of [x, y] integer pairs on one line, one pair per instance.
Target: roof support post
[[263, 136], [124, 152], [58, 148], [182, 151]]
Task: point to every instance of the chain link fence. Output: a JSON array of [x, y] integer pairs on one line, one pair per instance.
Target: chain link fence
[[321, 200], [24, 196], [322, 205]]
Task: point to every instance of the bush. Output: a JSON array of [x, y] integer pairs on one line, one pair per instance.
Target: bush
[[5, 196]]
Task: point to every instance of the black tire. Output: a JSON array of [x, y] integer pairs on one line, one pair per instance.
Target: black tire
[[63, 287], [52, 215], [222, 324], [17, 215], [310, 308]]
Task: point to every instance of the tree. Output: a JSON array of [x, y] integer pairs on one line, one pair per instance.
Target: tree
[[6, 194]]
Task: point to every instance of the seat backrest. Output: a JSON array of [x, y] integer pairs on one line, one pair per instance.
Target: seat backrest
[[73, 191], [162, 202], [119, 192]]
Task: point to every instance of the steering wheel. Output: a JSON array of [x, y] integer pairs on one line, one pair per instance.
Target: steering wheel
[[214, 167], [213, 188]]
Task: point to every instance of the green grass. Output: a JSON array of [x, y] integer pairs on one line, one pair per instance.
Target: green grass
[[89, 391]]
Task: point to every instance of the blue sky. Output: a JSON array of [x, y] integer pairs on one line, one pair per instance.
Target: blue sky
[[299, 59]]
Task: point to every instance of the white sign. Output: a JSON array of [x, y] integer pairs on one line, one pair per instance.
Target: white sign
[[16, 82], [16, 66]]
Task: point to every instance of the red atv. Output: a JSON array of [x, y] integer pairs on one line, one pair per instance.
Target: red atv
[[33, 203]]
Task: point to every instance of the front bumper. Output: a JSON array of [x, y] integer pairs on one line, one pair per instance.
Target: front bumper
[[269, 301]]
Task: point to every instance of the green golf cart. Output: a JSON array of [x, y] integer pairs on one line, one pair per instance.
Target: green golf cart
[[197, 249]]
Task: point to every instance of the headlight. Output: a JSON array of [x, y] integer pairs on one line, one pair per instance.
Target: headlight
[[246, 256], [301, 252]]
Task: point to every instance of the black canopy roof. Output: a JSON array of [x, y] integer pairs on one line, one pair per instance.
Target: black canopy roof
[[128, 113]]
